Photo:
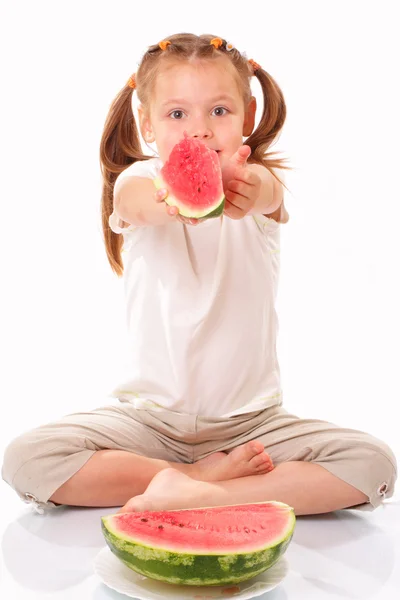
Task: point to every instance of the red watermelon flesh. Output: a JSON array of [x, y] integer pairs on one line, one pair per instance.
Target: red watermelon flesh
[[192, 176], [220, 529]]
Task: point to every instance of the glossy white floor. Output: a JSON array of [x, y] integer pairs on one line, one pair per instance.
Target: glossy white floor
[[349, 554]]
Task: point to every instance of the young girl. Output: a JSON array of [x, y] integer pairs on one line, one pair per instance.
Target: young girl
[[200, 420]]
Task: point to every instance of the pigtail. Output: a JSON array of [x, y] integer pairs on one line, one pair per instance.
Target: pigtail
[[119, 148], [271, 123]]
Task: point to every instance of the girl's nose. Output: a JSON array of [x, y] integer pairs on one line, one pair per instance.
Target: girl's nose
[[200, 131], [202, 134]]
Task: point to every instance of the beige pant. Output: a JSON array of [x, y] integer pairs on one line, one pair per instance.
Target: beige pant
[[38, 462]]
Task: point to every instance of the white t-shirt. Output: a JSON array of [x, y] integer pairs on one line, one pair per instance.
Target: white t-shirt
[[200, 309]]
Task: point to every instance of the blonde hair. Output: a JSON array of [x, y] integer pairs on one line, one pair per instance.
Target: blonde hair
[[120, 144]]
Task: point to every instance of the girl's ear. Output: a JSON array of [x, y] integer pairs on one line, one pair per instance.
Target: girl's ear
[[250, 117], [145, 125]]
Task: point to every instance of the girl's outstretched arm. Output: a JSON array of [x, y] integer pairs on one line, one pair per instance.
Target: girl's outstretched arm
[[270, 197], [135, 202]]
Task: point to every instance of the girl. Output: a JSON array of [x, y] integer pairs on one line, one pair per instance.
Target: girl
[[200, 420]]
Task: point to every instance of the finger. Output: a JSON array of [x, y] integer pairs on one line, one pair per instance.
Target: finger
[[161, 194], [172, 211], [187, 221], [241, 155], [237, 201], [232, 211], [246, 175], [240, 187]]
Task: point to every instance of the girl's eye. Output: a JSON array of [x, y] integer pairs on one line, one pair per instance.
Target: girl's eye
[[176, 114], [219, 111]]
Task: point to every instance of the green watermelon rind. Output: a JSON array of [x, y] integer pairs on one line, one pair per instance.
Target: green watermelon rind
[[197, 569], [215, 210]]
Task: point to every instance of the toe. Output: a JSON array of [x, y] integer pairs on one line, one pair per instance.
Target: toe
[[265, 467], [250, 451], [262, 463], [256, 447], [260, 460], [246, 452]]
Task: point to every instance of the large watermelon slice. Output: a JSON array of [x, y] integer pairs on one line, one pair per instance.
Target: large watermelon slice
[[203, 546], [192, 175]]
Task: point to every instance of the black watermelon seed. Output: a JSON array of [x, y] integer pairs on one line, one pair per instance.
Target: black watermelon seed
[[181, 525], [161, 527], [144, 520]]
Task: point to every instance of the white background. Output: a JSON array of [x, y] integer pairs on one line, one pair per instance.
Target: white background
[[62, 315]]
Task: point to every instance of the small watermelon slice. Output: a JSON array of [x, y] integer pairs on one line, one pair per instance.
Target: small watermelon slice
[[203, 546], [192, 175]]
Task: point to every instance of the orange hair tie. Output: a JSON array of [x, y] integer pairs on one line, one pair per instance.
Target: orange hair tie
[[216, 42], [164, 44], [132, 81], [254, 65]]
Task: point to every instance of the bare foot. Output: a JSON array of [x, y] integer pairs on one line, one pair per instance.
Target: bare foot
[[170, 490], [247, 459]]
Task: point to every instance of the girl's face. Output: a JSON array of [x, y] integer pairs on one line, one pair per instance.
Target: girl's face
[[204, 100]]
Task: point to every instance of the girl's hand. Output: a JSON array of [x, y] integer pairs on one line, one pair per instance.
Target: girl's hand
[[160, 196], [241, 185]]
